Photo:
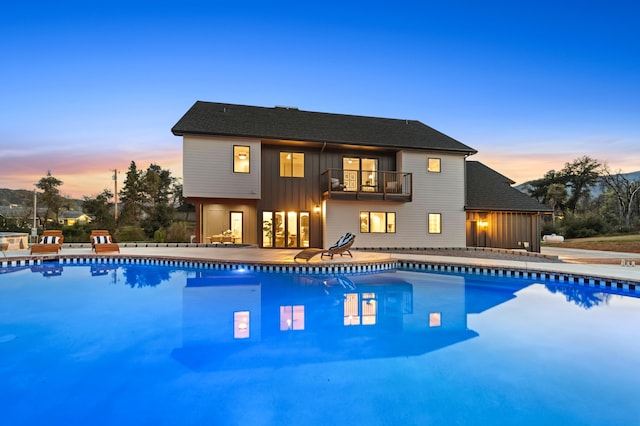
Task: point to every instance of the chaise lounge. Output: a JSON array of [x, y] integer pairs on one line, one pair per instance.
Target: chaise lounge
[[101, 242], [341, 247], [51, 242]]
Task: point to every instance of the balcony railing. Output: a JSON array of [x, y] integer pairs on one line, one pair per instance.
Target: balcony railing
[[366, 185]]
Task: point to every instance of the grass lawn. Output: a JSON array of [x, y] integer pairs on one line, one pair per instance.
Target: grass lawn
[[623, 243]]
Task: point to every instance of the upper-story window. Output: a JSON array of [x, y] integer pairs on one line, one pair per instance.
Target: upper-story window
[[291, 164], [240, 159], [433, 165]]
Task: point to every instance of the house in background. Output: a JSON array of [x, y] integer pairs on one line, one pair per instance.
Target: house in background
[[286, 178], [71, 217]]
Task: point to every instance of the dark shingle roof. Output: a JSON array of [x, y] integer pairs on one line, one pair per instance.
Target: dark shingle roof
[[210, 118], [489, 190]]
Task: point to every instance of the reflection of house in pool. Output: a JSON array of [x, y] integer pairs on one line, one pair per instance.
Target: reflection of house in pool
[[250, 321]]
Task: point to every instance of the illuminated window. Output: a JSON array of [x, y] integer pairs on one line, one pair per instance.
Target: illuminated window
[[292, 317], [241, 325], [378, 222], [433, 165], [240, 159], [291, 164], [435, 223]]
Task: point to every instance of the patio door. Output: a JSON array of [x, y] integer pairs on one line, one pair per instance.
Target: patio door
[[285, 229], [236, 226], [360, 174]]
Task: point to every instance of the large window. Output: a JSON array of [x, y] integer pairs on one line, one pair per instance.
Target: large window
[[360, 174], [292, 164], [378, 222], [433, 165], [285, 229], [435, 223], [240, 159]]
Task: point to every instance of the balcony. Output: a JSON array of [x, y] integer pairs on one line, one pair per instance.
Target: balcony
[[340, 184]]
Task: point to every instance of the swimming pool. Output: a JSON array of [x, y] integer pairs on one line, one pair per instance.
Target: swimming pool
[[140, 344]]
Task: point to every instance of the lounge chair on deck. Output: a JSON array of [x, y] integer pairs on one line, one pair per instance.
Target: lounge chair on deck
[[341, 247], [54, 233], [47, 245], [101, 242]]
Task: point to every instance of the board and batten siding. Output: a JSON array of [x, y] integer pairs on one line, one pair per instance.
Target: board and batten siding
[[208, 168], [432, 193]]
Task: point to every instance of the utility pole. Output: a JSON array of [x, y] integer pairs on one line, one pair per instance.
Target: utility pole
[[34, 228], [115, 183]]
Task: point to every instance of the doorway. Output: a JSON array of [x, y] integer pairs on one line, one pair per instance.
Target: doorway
[[285, 229]]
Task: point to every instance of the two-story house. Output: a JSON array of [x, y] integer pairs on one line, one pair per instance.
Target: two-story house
[[286, 178]]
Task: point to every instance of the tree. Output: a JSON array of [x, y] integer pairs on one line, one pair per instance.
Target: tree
[[157, 185], [99, 208], [623, 191], [579, 176], [555, 197], [131, 196], [50, 196]]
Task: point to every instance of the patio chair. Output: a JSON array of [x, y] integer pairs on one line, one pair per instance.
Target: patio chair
[[98, 233], [102, 242], [54, 233], [48, 244], [341, 247]]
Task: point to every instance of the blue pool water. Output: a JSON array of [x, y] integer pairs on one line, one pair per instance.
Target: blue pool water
[[156, 345]]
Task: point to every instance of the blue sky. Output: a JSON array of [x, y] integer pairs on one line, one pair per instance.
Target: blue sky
[[89, 86]]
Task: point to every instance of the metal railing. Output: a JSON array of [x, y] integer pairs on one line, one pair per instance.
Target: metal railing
[[363, 182]]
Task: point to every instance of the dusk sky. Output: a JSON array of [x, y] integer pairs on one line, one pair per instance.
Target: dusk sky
[[89, 86]]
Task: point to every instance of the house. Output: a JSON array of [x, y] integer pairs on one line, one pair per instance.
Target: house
[[499, 215], [71, 217], [287, 178]]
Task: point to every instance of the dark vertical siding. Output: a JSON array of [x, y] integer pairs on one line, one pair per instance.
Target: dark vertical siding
[[508, 230], [303, 194]]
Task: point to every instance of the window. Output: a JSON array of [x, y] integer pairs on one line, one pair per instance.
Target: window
[[433, 165], [378, 222], [285, 229], [360, 174], [435, 223], [240, 159], [291, 164]]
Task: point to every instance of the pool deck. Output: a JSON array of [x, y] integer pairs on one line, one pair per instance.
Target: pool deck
[[592, 263]]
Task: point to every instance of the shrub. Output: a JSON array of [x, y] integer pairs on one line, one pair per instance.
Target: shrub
[[131, 233], [583, 226], [178, 232], [160, 236]]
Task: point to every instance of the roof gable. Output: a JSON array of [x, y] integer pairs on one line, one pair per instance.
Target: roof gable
[[285, 123], [489, 190]]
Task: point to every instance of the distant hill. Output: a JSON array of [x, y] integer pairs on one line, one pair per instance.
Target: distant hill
[[596, 190], [14, 196], [22, 197]]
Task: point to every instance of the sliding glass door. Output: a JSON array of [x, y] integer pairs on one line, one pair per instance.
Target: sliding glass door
[[285, 229]]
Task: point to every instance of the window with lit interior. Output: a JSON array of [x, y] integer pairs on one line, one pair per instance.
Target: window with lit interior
[[377, 222], [433, 165], [435, 223], [240, 159], [292, 164]]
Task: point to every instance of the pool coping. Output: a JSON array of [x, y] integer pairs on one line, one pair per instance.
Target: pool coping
[[552, 272]]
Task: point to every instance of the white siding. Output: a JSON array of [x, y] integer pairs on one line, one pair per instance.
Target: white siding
[[208, 168], [432, 193]]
